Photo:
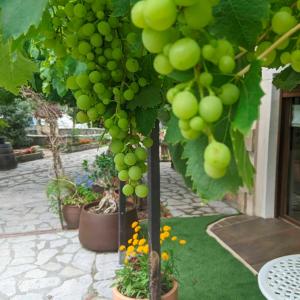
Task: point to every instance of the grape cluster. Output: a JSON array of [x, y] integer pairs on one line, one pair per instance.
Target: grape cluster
[[168, 30], [87, 31]]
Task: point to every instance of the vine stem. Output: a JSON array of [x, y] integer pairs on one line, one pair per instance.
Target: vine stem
[[271, 48]]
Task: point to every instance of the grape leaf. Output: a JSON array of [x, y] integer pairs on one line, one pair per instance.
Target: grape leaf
[[15, 70], [247, 109], [206, 187], [179, 163], [17, 16], [145, 119], [287, 80], [120, 7], [240, 21], [182, 75], [244, 165], [173, 135]]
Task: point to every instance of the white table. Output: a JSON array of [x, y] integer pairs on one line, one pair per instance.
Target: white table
[[279, 279]]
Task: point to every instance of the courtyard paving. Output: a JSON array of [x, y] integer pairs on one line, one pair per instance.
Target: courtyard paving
[[39, 261]]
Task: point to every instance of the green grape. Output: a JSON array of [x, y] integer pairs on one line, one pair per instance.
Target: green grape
[[60, 50], [101, 60], [141, 191], [113, 22], [100, 107], [154, 41], [197, 123], [128, 190], [286, 9], [111, 65], [295, 60], [84, 48], [159, 15], [116, 43], [95, 77], [140, 153], [83, 102], [214, 172], [171, 94], [282, 22], [79, 10], [82, 117], [199, 15], [123, 124], [123, 175], [298, 4], [142, 82], [77, 94], [283, 44], [206, 79], [108, 123], [128, 94], [83, 81], [92, 114], [116, 146], [217, 155], [148, 142], [88, 29], [135, 173], [120, 167], [114, 131], [184, 124], [132, 37], [226, 64], [210, 108], [135, 87], [119, 158], [285, 58], [185, 105], [71, 40], [132, 65], [117, 54], [137, 15], [71, 83], [209, 53], [108, 53], [230, 94], [104, 28], [123, 114], [185, 2], [184, 54], [100, 15], [99, 88], [162, 64], [96, 40], [270, 57], [69, 9], [91, 65], [190, 134], [130, 159], [224, 48]]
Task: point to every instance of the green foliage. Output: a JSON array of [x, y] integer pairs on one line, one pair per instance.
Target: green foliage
[[145, 119], [248, 106], [17, 116], [173, 135], [240, 21], [17, 16], [15, 69], [287, 80]]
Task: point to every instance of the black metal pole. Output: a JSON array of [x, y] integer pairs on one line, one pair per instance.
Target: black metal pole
[[154, 215], [122, 221]]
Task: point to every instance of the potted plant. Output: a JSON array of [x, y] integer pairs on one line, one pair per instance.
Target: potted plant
[[98, 228], [132, 280], [72, 198]]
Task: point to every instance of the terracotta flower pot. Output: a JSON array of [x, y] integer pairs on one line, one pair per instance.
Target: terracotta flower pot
[[99, 232], [71, 215], [171, 295]]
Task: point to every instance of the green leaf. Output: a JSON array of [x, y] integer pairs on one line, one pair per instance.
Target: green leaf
[[148, 97], [206, 187], [145, 119], [173, 135], [17, 16], [287, 80], [240, 21], [15, 69], [244, 165], [180, 163], [248, 106], [120, 7], [181, 75]]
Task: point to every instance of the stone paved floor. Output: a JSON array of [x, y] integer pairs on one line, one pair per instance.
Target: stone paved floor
[[53, 265]]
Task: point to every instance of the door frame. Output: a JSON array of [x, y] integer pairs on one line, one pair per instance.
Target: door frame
[[283, 158]]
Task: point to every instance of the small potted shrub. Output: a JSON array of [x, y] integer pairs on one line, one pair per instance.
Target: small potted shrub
[[98, 228], [132, 280]]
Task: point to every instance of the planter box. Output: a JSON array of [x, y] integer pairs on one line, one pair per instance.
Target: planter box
[[29, 157]]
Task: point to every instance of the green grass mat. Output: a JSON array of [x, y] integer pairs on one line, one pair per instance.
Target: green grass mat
[[207, 271]]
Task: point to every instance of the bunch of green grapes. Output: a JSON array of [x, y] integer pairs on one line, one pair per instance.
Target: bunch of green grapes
[[168, 30], [90, 34]]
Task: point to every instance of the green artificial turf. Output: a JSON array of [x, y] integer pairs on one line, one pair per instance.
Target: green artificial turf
[[206, 270]]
